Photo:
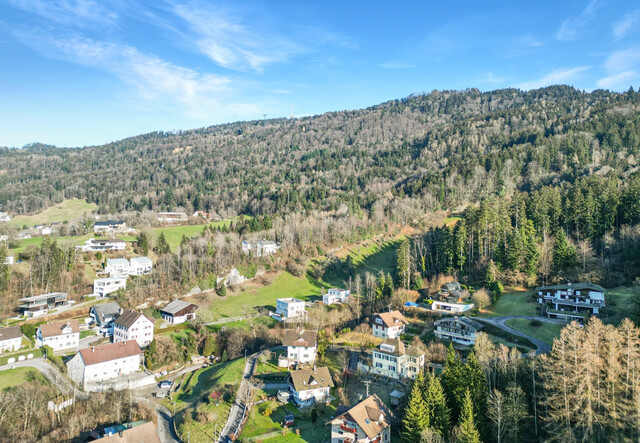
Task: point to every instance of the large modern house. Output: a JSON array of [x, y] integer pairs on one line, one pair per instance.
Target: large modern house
[[457, 329], [109, 226], [140, 266], [571, 301], [388, 324], [392, 358], [260, 248], [133, 325], [310, 386], [121, 267], [290, 309], [301, 346], [104, 362], [40, 304], [366, 422], [336, 295], [105, 286], [60, 335], [102, 244], [179, 311]]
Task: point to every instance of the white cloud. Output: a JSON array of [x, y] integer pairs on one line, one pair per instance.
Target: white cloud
[[81, 13], [625, 24], [559, 76], [622, 69], [571, 28]]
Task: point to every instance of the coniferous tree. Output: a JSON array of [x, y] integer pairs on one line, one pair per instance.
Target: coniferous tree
[[436, 405], [163, 246], [477, 385], [453, 382], [143, 243], [404, 264], [415, 415], [466, 431]]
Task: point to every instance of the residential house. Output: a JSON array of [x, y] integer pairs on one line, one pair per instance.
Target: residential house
[[45, 230], [388, 324], [207, 215], [133, 325], [59, 335], [4, 217], [260, 248], [140, 266], [179, 311], [171, 217], [301, 344], [23, 235], [40, 304], [571, 301], [10, 339], [104, 315], [105, 286], [4, 237], [452, 298], [117, 267], [9, 260], [310, 386], [290, 309], [392, 358], [106, 226], [136, 432], [458, 329], [104, 362], [366, 422], [336, 295], [103, 244]]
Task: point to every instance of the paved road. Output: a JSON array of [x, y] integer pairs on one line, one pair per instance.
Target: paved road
[[238, 406], [500, 322]]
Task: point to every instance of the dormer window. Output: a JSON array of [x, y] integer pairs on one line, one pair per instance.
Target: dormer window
[[379, 321]]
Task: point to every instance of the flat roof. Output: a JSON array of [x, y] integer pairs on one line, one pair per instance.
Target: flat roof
[[45, 297]]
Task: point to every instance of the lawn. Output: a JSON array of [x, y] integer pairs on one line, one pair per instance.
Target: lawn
[[619, 303], [174, 234], [285, 285], [35, 242], [87, 333], [17, 376], [67, 210], [545, 332], [513, 303]]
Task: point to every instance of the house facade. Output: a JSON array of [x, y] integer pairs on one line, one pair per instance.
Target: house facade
[[336, 295], [39, 304], [571, 301], [310, 386], [103, 244], [290, 308], [109, 226], [140, 266], [105, 314], [104, 362], [366, 422], [60, 335], [133, 325], [301, 344], [105, 286], [260, 248], [392, 358], [179, 311], [10, 339], [172, 217], [117, 267], [388, 324], [457, 329]]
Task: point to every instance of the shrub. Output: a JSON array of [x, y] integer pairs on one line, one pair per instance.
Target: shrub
[[535, 322]]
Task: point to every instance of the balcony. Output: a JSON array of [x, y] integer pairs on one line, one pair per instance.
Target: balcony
[[348, 429]]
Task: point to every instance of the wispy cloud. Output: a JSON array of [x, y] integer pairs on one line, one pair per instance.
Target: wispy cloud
[[394, 65], [80, 13], [622, 69], [626, 24], [558, 76], [224, 37], [492, 79], [571, 28]]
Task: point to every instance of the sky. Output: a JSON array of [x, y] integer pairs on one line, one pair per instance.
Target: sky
[[87, 72]]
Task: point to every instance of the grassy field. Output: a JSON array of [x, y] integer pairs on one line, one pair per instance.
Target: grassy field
[[545, 332], [174, 234], [67, 210], [619, 304], [285, 285], [512, 303], [15, 377]]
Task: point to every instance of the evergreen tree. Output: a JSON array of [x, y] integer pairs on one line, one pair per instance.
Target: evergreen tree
[[476, 380], [466, 432], [403, 267], [436, 405], [4, 269], [163, 246], [143, 243], [415, 415], [453, 382], [150, 355], [564, 255]]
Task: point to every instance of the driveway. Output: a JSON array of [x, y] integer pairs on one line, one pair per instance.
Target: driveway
[[500, 322], [235, 415]]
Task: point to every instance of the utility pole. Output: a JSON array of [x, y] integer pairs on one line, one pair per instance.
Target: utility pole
[[367, 383]]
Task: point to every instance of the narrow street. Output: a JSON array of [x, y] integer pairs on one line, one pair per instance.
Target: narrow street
[[500, 322]]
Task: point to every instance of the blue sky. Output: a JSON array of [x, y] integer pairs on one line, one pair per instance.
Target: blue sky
[[84, 72]]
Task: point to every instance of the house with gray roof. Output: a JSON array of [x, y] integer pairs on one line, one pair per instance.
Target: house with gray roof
[[179, 311], [457, 329], [10, 339]]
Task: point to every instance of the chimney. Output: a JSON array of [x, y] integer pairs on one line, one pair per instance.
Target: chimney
[[93, 349]]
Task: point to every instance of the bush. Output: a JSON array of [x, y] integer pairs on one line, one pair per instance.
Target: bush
[[535, 322]]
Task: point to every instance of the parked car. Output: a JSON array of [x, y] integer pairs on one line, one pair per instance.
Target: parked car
[[166, 384]]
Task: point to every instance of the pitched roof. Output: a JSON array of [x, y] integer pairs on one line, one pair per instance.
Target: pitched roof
[[578, 286], [10, 333], [370, 415], [306, 379], [145, 433], [176, 306], [110, 351], [393, 318], [105, 309], [399, 348], [300, 337], [55, 329], [109, 223], [129, 317]]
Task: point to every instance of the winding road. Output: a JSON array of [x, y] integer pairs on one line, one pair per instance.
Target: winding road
[[500, 322]]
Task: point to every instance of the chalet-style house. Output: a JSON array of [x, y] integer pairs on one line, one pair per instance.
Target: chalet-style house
[[103, 244], [336, 295], [179, 311], [108, 226], [10, 339], [59, 335], [388, 324], [392, 358], [571, 301], [290, 309], [310, 386], [104, 362], [457, 329], [40, 304], [260, 248], [301, 346], [366, 422], [133, 325], [105, 286], [104, 315]]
